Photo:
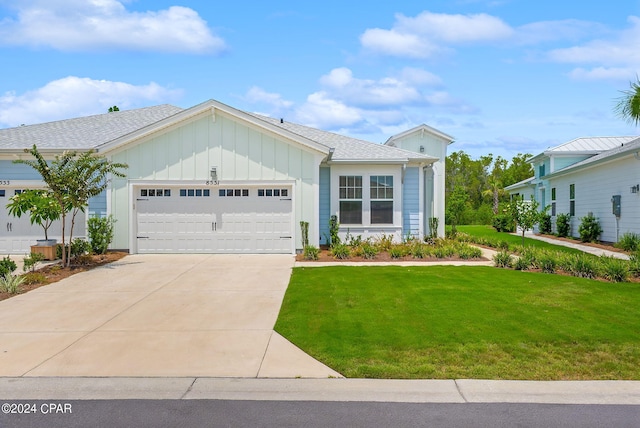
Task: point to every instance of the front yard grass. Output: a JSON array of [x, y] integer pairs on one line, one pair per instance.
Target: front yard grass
[[484, 231], [447, 322]]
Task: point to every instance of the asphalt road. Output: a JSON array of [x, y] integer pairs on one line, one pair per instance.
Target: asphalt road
[[308, 414]]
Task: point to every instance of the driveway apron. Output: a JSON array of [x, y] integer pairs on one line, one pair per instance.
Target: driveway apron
[[157, 315]]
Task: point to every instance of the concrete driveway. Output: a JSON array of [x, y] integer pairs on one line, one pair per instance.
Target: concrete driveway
[[157, 315]]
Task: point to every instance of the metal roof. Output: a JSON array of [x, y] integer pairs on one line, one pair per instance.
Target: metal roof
[[585, 145]]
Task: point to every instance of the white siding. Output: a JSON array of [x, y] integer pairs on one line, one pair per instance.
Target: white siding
[[238, 151], [594, 188]]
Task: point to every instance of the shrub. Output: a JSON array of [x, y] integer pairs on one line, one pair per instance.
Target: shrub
[[545, 223], [311, 253], [629, 242], [384, 242], [7, 266], [503, 223], [420, 251], [634, 263], [503, 259], [100, 231], [398, 251], [334, 228], [590, 228], [35, 278], [304, 233], [31, 261], [368, 251], [468, 252], [522, 263], [614, 269], [547, 262], [11, 283], [340, 251], [563, 225], [581, 265], [502, 245]]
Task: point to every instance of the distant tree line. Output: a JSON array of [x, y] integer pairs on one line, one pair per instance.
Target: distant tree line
[[475, 187]]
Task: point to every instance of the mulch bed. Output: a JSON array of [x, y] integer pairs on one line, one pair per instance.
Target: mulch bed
[[325, 256], [54, 272]]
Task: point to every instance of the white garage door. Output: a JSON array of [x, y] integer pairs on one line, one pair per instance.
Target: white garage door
[[18, 234], [238, 219]]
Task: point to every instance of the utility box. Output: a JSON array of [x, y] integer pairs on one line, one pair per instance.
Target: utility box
[[615, 202]]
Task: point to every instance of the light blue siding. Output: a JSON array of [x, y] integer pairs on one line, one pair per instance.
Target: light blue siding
[[325, 203], [16, 171], [98, 205], [411, 202]]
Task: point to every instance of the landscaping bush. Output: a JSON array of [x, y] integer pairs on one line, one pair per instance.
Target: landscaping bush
[[7, 266], [545, 223], [420, 250], [634, 263], [613, 269], [340, 251], [503, 223], [581, 265], [398, 251], [547, 262], [334, 228], [629, 241], [30, 262], [310, 252], [503, 259], [522, 263], [466, 251], [11, 283], [590, 228], [368, 251], [100, 230], [34, 278], [385, 242], [563, 225]]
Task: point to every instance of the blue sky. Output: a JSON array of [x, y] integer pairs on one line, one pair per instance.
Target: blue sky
[[502, 77]]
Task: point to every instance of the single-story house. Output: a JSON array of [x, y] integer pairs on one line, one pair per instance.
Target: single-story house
[[215, 179], [599, 175]]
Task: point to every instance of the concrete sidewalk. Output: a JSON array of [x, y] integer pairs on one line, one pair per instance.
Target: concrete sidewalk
[[585, 248], [373, 390]]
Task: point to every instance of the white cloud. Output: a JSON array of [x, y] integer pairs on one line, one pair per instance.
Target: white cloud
[[258, 95], [324, 112], [74, 97], [620, 50], [603, 73], [82, 25], [429, 33]]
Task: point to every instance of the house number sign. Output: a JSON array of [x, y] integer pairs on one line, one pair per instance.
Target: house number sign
[[5, 182]]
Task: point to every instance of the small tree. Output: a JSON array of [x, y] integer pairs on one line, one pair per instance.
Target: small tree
[[456, 204], [42, 208], [526, 214], [72, 179]]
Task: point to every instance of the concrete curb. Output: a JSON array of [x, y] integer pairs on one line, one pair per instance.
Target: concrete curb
[[361, 390]]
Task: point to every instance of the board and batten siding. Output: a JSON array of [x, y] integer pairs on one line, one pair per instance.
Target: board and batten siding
[[325, 204], [411, 202], [594, 188], [238, 151]]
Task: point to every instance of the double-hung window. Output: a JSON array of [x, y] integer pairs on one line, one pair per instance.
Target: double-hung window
[[553, 201], [381, 199], [350, 199]]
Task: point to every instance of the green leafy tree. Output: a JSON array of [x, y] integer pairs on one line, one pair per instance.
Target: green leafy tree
[[73, 178], [628, 105], [456, 205], [526, 214], [42, 208]]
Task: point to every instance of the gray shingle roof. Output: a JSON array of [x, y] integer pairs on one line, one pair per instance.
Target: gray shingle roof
[[91, 132], [84, 133], [346, 148]]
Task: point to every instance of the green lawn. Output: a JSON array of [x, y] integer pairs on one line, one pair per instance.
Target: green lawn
[[444, 322], [489, 232]]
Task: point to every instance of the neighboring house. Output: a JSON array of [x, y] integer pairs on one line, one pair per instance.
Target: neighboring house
[[589, 175], [214, 179]]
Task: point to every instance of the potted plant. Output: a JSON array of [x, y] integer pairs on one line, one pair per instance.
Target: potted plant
[[43, 210]]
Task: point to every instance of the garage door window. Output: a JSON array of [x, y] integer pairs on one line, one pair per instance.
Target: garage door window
[[155, 192], [195, 192], [233, 192], [2, 193], [273, 193]]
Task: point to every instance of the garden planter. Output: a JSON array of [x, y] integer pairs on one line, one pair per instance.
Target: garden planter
[[46, 242], [47, 251]]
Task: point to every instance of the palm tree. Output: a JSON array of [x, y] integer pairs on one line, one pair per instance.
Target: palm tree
[[628, 105]]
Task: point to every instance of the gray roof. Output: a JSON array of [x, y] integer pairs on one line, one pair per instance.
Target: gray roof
[[623, 149], [91, 132], [586, 145], [523, 183], [347, 148], [83, 133]]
